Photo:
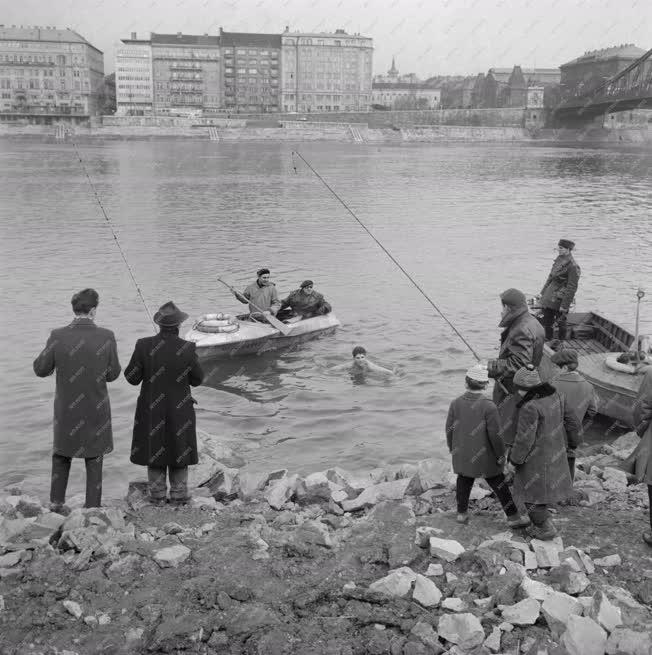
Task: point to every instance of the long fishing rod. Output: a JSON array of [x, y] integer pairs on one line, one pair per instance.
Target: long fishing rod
[[115, 236], [389, 254]]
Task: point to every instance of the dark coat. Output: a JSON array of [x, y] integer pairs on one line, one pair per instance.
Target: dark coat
[[306, 305], [164, 426], [579, 394], [560, 287], [545, 425], [643, 419], [473, 436], [85, 357], [521, 343]]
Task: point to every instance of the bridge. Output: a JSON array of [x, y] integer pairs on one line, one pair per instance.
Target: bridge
[[630, 89]]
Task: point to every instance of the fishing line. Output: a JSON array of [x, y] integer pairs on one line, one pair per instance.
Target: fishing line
[[389, 254], [115, 236]]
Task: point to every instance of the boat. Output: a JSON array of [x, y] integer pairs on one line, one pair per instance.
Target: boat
[[252, 337], [599, 343]]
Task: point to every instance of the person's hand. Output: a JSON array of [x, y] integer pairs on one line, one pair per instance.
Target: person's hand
[[509, 470]]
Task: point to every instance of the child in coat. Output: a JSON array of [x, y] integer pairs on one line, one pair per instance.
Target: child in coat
[[475, 442]]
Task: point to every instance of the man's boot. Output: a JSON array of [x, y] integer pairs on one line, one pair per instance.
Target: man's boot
[[545, 531]]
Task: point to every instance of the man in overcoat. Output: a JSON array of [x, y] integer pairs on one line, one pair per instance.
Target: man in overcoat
[[85, 358], [261, 294], [521, 343], [164, 435], [305, 302], [559, 290]]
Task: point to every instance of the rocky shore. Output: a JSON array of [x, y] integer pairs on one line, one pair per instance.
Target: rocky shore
[[333, 563]]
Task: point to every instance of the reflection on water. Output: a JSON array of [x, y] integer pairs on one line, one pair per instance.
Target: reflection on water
[[466, 221]]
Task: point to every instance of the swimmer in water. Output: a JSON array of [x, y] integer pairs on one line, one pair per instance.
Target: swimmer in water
[[361, 364]]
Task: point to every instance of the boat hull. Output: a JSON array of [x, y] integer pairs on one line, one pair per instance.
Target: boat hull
[[257, 338]]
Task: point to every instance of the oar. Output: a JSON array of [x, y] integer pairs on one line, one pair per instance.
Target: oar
[[279, 325]]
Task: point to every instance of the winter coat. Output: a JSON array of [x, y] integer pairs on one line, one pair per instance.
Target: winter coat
[[306, 305], [643, 418], [521, 343], [545, 425], [263, 297], [473, 436], [579, 394], [560, 287], [85, 357], [164, 425]]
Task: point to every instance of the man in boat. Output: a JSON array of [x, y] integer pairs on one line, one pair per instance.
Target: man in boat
[[579, 394], [304, 302], [559, 289], [261, 294], [521, 343]]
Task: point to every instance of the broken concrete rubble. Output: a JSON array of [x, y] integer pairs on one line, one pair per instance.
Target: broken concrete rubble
[[583, 636]]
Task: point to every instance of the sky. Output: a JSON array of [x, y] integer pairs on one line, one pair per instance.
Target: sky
[[427, 37]]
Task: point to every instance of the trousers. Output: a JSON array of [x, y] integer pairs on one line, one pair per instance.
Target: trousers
[[59, 481], [498, 486], [178, 482], [550, 316]]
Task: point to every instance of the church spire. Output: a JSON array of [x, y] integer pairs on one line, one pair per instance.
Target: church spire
[[392, 71]]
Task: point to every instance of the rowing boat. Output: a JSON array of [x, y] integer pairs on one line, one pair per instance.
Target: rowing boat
[[598, 342], [254, 337]]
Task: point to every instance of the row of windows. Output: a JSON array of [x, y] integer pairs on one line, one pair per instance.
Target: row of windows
[[43, 46], [134, 86], [136, 78], [34, 72], [132, 69]]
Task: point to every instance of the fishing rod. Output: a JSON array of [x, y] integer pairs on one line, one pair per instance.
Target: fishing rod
[[115, 236], [389, 254]]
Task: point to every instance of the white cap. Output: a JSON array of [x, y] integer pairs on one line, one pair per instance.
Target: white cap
[[479, 373]]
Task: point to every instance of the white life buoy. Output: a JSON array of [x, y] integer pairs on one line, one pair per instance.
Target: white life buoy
[[215, 323], [612, 362]]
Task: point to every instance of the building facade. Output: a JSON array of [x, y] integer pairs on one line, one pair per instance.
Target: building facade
[[326, 71], [252, 71], [587, 72], [186, 75], [133, 77], [394, 91], [48, 74]]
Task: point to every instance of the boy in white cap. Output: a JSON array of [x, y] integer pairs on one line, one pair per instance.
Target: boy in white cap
[[474, 439]]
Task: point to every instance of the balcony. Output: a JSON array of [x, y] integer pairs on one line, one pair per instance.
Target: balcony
[[185, 77]]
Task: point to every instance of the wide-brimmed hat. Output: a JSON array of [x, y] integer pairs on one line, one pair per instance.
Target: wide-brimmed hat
[[564, 357], [527, 377], [169, 315], [566, 243], [478, 373]]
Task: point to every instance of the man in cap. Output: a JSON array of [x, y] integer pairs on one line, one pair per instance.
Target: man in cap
[[164, 435], [261, 294], [521, 343], [85, 357], [305, 302], [579, 393], [559, 289]]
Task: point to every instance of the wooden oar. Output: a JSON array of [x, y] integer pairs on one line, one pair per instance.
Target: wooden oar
[[279, 325]]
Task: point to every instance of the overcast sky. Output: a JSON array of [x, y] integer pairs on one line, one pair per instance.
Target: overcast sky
[[428, 37]]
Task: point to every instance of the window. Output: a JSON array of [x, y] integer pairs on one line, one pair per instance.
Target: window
[[253, 52], [253, 71]]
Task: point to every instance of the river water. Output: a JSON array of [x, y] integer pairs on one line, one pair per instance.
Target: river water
[[467, 221]]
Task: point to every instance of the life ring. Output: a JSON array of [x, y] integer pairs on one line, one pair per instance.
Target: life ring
[[612, 362], [216, 323]]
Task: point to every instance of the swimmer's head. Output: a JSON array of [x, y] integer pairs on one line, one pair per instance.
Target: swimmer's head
[[359, 354]]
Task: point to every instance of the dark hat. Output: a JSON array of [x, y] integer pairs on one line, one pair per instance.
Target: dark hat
[[513, 298], [307, 283], [169, 315], [566, 243], [527, 377], [564, 357], [262, 271]]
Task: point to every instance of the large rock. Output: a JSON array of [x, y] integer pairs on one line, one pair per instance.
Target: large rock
[[608, 561], [446, 549], [557, 609], [426, 634], [279, 492], [96, 530], [623, 641], [492, 642], [584, 636], [222, 483], [316, 488], [454, 605], [614, 480], [430, 474], [171, 556], [313, 532], [604, 612], [536, 589], [426, 592], [547, 552], [464, 630], [397, 583], [394, 490], [435, 570], [424, 532], [526, 612], [583, 561], [569, 581], [249, 483]]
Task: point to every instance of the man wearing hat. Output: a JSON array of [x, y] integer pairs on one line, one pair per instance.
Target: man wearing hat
[[85, 358], [578, 393], [559, 290], [164, 436], [521, 343], [261, 294], [305, 302]]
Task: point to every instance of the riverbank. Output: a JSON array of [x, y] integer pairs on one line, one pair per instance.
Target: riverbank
[[330, 563]]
